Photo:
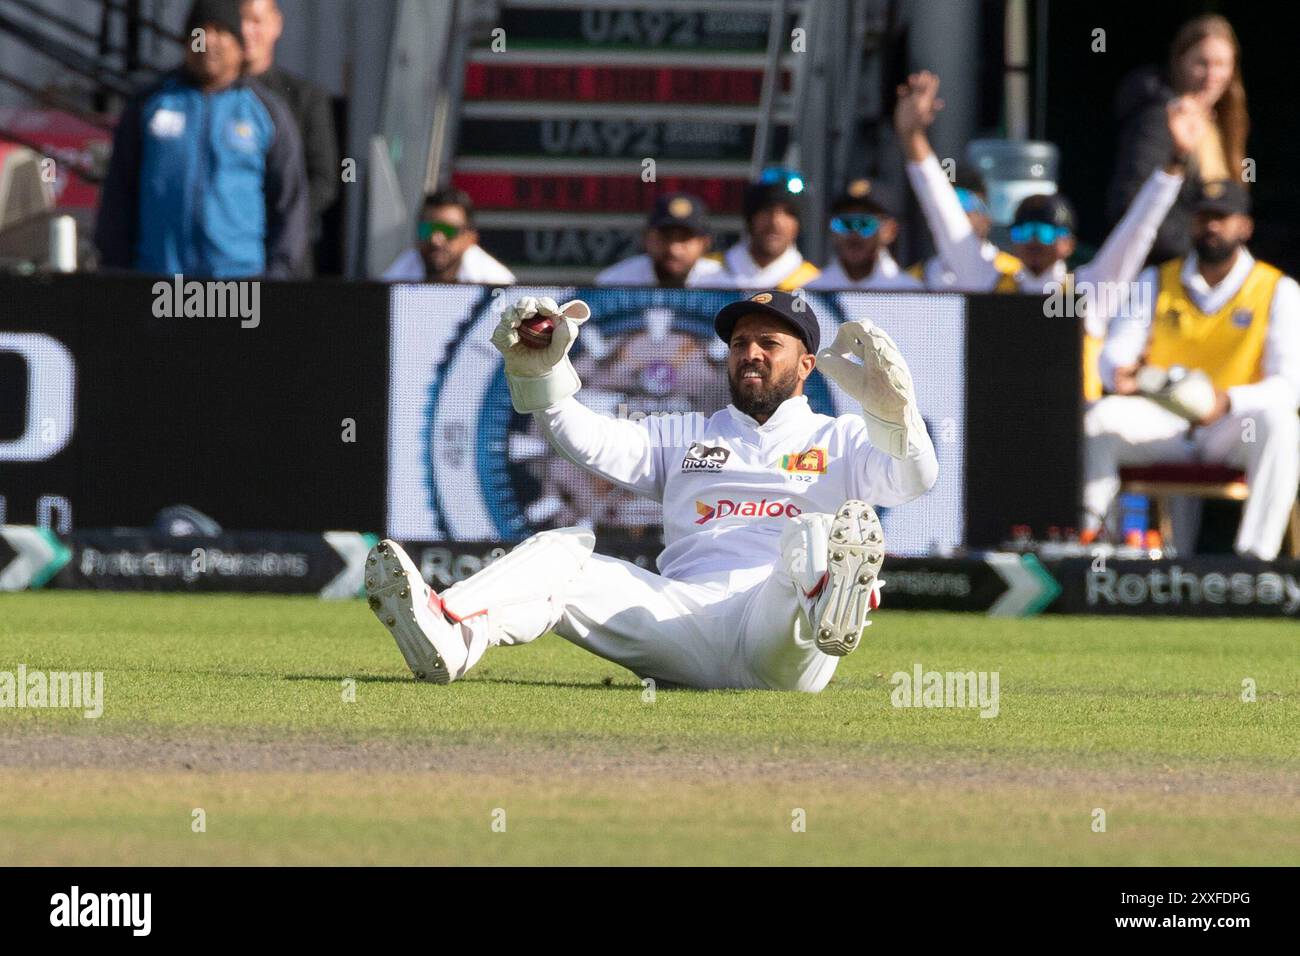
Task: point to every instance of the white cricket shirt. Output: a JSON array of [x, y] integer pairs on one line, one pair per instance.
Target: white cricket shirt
[[476, 265], [640, 270], [884, 276], [727, 483], [740, 271]]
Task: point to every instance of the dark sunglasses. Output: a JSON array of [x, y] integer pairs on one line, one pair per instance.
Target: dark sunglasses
[[447, 229], [864, 226], [1043, 233]]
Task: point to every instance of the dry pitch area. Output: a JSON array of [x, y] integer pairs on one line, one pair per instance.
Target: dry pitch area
[[292, 726]]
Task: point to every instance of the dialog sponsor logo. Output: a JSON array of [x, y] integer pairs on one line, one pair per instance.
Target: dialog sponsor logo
[[726, 508]]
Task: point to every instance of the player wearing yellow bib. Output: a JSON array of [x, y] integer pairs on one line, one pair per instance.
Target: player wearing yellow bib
[[936, 276], [1042, 234], [862, 228], [1237, 321], [766, 257]]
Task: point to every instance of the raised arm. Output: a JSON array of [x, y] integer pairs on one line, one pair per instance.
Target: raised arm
[[1126, 340], [955, 240], [899, 464], [1144, 145], [1126, 248], [543, 383], [626, 453]]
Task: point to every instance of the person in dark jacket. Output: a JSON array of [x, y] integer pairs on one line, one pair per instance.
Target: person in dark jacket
[[1204, 64], [206, 178], [310, 105]]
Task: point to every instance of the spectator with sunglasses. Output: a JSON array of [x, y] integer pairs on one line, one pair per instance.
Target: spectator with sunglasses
[[448, 250], [767, 257], [1043, 237], [862, 230], [974, 203]]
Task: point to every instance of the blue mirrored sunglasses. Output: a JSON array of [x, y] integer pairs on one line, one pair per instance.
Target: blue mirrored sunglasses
[[864, 226], [971, 202], [1043, 233]]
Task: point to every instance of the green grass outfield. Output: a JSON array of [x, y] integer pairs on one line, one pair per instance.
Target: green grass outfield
[[236, 706]]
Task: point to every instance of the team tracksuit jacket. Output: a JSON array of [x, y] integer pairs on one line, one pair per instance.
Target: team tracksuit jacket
[[205, 185]]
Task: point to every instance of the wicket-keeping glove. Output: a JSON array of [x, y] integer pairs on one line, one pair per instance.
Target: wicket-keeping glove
[[1186, 392], [539, 378], [866, 363]]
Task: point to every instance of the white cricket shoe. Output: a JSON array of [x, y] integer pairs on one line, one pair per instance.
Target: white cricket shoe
[[851, 589], [433, 646]]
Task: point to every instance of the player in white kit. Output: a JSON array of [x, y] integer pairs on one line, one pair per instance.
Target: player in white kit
[[772, 553]]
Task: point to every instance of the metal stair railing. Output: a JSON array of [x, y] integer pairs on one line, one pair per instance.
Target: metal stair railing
[[100, 73], [57, 37]]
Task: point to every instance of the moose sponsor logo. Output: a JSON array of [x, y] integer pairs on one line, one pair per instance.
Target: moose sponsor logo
[[702, 457]]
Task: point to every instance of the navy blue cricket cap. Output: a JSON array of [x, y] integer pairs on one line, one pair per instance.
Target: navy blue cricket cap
[[680, 210], [761, 195], [1223, 197], [1051, 208], [792, 309], [864, 195]]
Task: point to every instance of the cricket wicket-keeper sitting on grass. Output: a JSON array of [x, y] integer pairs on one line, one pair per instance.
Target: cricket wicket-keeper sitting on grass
[[772, 550]]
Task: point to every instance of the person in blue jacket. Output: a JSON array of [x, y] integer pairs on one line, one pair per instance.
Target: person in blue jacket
[[207, 177]]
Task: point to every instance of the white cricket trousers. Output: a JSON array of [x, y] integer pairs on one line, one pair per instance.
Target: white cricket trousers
[[1131, 430], [742, 630], [714, 632]]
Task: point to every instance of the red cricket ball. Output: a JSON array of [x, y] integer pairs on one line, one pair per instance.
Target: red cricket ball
[[535, 333]]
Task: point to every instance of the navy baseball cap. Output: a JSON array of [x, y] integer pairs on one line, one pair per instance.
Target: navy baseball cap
[[681, 210], [1223, 197], [865, 195], [760, 195], [969, 178], [1051, 208], [792, 309]]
